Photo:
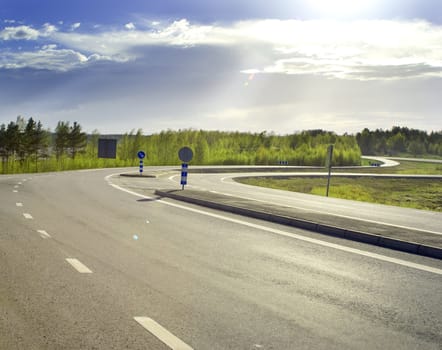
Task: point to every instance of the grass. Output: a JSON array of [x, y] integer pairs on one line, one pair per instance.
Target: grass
[[412, 193]]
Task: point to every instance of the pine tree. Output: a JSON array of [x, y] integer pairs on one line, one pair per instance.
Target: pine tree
[[61, 139], [35, 140], [76, 139]]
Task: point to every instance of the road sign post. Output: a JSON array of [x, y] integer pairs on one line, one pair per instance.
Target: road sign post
[[141, 156], [185, 154], [184, 168], [328, 164]]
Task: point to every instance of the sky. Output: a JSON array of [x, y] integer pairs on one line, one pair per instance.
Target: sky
[[279, 66]]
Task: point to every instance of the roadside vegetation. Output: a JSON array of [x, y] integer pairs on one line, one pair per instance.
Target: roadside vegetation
[[399, 142], [240, 148], [412, 193], [26, 146]]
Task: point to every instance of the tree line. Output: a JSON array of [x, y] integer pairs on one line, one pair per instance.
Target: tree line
[[25, 146], [241, 148], [400, 141]]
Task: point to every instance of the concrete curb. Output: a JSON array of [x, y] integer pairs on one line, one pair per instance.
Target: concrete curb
[[359, 236], [138, 175]]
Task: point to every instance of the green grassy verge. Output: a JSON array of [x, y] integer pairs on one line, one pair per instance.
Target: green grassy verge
[[412, 193]]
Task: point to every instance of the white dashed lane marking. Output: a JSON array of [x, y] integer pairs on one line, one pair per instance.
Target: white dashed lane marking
[[15, 191], [162, 334], [44, 234], [27, 216], [77, 265], [19, 204]]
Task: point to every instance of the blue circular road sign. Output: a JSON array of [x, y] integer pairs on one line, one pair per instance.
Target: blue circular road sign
[[185, 154], [141, 154]]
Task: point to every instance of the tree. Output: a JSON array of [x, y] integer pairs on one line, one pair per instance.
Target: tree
[[201, 151], [61, 138], [365, 140], [92, 144], [136, 144], [28, 137], [3, 153], [76, 139], [396, 143], [13, 139], [34, 140], [416, 148]]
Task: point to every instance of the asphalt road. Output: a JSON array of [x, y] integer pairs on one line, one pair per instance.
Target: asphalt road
[[89, 261], [224, 183]]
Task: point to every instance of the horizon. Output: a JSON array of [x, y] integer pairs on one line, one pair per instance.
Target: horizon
[[267, 132], [246, 66]]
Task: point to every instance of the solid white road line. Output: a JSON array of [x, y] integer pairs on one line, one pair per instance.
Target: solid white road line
[[316, 241], [288, 234], [311, 209], [27, 216], [19, 204], [44, 234], [324, 212], [77, 265], [162, 334]]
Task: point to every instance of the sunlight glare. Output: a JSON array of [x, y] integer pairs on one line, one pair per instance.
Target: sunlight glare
[[342, 8]]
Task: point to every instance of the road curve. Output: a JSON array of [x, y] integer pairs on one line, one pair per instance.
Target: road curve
[[423, 220], [99, 262]]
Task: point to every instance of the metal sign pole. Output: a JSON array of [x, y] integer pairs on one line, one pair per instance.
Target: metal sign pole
[[328, 180]]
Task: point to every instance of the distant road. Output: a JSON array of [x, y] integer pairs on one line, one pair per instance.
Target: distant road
[[426, 160], [385, 162], [91, 260], [391, 161]]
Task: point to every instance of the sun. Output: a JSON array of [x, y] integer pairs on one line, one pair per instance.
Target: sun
[[341, 8]]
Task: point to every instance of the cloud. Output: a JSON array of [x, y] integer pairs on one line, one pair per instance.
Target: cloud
[[47, 30], [129, 26], [49, 57], [122, 43], [75, 26], [363, 50], [19, 33], [201, 87], [359, 50], [24, 32]]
